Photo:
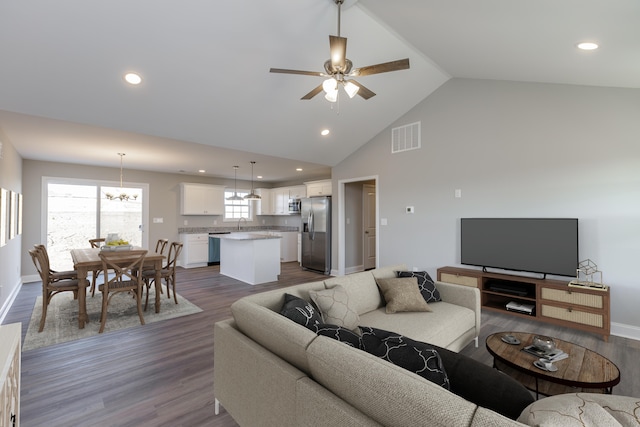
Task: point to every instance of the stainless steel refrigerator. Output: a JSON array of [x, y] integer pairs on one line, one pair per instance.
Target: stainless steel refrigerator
[[316, 234]]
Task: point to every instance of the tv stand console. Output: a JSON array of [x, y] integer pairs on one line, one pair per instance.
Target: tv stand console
[[546, 300]]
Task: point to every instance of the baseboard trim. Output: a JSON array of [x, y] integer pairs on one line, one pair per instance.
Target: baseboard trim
[[625, 331], [31, 278], [9, 302], [354, 269]]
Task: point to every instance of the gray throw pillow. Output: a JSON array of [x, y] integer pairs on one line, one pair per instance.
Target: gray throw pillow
[[402, 294]]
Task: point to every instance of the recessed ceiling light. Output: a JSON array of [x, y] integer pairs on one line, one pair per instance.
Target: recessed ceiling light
[[299, 169], [201, 170], [259, 176], [324, 132], [133, 78], [587, 46]]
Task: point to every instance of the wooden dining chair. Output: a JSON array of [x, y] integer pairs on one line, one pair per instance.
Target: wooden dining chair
[[55, 275], [95, 243], [127, 277], [51, 285], [168, 273], [161, 245]]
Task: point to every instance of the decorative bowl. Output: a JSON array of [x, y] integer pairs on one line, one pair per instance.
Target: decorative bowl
[[544, 343]]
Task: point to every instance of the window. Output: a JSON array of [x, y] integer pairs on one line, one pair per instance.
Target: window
[[236, 209], [76, 210]]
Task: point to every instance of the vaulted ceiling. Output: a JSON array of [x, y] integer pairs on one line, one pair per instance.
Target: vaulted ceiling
[[207, 99]]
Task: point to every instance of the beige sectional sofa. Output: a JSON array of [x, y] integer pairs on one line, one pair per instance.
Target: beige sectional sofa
[[271, 371]]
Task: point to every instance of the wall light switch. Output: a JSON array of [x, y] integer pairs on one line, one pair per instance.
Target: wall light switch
[[215, 222], [158, 220], [458, 193], [186, 222], [348, 221], [409, 209], [383, 221]]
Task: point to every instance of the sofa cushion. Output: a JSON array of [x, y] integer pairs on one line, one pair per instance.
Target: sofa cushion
[[445, 324], [389, 394], [402, 294], [341, 334], [336, 307], [301, 311], [362, 289], [418, 357], [582, 409], [425, 284], [273, 331]]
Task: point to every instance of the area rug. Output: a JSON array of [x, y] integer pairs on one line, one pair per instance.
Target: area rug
[[62, 317]]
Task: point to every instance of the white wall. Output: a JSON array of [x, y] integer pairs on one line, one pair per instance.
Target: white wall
[[515, 150], [10, 179]]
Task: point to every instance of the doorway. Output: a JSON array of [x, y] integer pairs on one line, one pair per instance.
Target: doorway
[[75, 211], [358, 237]]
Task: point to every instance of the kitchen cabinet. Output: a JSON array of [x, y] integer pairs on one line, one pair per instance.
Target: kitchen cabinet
[[195, 250], [10, 357], [263, 206], [289, 246], [319, 188], [280, 201], [280, 198], [201, 199], [298, 192]]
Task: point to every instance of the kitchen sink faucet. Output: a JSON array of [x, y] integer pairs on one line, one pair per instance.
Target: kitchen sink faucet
[[245, 222]]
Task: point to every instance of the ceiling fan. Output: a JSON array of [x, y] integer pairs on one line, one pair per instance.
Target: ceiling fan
[[339, 70]]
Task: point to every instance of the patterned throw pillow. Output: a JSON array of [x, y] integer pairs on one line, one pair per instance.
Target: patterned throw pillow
[[300, 311], [335, 307], [402, 294], [415, 356], [341, 334], [425, 283]]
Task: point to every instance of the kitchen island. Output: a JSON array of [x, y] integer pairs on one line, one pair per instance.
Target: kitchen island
[[252, 258]]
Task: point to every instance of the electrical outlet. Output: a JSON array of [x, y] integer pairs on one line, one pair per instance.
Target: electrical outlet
[[215, 222], [186, 222]]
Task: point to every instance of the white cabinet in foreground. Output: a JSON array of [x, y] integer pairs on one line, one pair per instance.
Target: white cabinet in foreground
[[195, 250], [10, 336]]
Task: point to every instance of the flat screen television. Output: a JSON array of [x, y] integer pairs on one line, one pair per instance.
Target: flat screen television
[[536, 245]]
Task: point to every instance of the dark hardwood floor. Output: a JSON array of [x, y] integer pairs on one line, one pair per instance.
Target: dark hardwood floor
[[161, 374]]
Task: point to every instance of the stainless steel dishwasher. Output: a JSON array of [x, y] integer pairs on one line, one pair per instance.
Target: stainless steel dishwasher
[[214, 247]]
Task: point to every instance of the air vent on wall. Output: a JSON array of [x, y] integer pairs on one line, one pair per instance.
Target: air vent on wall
[[405, 138]]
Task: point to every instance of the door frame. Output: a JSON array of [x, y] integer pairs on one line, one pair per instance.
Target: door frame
[[342, 218]]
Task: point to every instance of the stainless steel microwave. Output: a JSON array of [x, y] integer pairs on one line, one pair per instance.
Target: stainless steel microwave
[[294, 206]]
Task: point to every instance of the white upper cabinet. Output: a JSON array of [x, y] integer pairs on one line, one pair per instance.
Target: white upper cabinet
[[298, 192], [201, 199], [319, 188], [263, 206]]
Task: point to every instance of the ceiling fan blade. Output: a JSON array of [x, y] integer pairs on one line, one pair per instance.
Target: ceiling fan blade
[[363, 91], [304, 73], [400, 64], [338, 46], [313, 93]]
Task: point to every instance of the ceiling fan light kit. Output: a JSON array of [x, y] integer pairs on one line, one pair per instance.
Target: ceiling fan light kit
[[338, 66]]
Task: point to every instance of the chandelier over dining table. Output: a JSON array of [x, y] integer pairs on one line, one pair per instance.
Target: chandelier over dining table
[[122, 196]]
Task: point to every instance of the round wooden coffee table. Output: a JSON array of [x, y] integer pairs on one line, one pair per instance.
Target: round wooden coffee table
[[583, 371]]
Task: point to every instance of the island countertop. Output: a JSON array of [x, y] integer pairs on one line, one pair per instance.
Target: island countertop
[[246, 236]]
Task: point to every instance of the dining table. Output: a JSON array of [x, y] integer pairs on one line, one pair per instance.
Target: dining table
[[87, 260]]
